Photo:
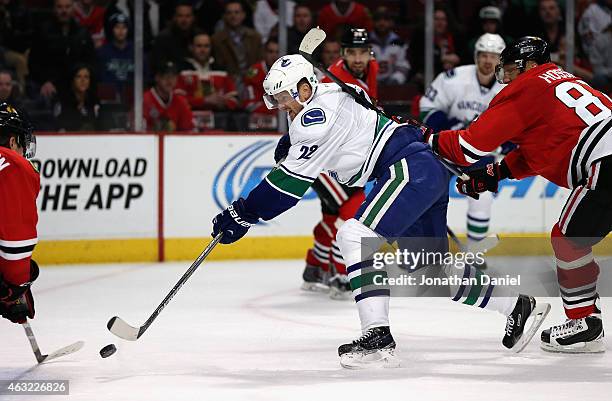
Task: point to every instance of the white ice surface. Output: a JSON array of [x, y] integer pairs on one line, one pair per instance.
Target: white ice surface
[[244, 331]]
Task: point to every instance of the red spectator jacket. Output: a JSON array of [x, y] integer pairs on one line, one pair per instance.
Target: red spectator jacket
[[172, 116], [93, 22], [560, 124], [253, 83], [369, 84], [356, 16], [19, 186], [195, 86]]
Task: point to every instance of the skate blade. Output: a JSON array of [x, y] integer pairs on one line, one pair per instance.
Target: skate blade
[[539, 314], [315, 287], [337, 295], [592, 347], [384, 358]]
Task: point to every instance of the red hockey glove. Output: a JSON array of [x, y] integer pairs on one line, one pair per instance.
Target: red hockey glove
[[483, 179], [16, 301]]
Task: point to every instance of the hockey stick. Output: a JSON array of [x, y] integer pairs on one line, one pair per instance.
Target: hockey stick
[[40, 358], [311, 41], [121, 329]]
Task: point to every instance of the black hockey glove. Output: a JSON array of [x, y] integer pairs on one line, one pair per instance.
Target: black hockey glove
[[233, 222], [282, 148], [17, 301], [483, 179]]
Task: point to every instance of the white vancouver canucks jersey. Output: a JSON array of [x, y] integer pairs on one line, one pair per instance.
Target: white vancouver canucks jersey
[[332, 134], [459, 95]]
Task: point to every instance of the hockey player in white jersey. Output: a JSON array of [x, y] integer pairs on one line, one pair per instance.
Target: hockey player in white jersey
[[454, 99], [331, 132]]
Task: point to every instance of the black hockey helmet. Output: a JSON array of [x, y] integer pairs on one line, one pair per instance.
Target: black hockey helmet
[[355, 37], [525, 49], [15, 123]]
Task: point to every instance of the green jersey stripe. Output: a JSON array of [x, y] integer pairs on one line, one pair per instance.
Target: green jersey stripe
[[286, 183]]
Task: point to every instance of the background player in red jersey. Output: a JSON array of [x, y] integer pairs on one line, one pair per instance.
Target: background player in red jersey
[[563, 129], [357, 65], [18, 215]]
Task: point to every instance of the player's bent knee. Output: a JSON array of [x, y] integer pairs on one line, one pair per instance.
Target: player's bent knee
[[349, 239]]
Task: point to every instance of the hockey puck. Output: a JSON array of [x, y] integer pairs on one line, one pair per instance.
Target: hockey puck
[[107, 351]]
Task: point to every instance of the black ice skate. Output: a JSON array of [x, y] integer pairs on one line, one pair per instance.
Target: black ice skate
[[340, 287], [575, 336], [375, 348], [315, 279], [516, 338]]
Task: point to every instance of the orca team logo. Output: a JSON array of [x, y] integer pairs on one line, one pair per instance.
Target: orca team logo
[[243, 171], [313, 116], [285, 62]]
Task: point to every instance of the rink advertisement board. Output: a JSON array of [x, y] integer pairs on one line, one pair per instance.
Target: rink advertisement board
[[153, 196], [98, 190]]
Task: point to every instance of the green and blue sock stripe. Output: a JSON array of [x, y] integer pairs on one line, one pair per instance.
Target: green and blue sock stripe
[[470, 294], [362, 278], [477, 228], [380, 204], [288, 182]]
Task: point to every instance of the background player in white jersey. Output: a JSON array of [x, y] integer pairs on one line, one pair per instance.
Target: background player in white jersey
[[331, 132], [453, 100]]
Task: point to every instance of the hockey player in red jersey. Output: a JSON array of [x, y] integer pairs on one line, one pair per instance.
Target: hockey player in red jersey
[[357, 66], [19, 188], [563, 129]]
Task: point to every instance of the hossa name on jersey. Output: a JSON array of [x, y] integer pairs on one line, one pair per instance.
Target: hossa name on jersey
[[458, 94], [332, 133]]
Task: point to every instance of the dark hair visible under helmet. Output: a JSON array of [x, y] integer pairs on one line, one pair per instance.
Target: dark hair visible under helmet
[[525, 49], [14, 123]]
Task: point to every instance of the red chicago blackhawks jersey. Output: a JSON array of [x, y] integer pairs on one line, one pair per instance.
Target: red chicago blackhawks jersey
[[175, 115], [368, 84], [19, 186], [253, 84], [195, 86], [560, 124]]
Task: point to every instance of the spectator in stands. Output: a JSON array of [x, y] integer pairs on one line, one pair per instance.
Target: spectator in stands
[[236, 47], [265, 16], [15, 38], [490, 18], [302, 23], [330, 52], [552, 27], [338, 14], [8, 91], [116, 56], [60, 44], [447, 45], [582, 67], [389, 49], [601, 60], [173, 42], [77, 107], [253, 80], [203, 84], [164, 110], [91, 17], [595, 20], [151, 21]]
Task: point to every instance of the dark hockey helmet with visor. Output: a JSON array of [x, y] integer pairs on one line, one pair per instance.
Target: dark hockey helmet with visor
[[14, 122], [525, 49]]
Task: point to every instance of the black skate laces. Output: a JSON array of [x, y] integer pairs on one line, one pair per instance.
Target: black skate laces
[[509, 325], [365, 336], [566, 328]]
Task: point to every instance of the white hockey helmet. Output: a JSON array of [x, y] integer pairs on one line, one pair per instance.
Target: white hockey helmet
[[284, 76], [490, 43]]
